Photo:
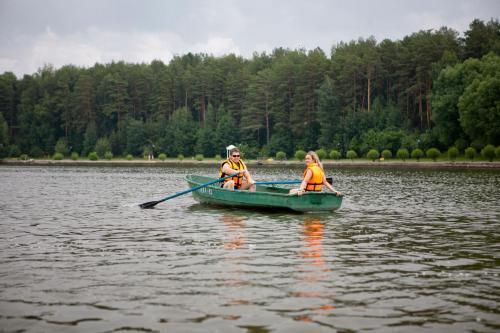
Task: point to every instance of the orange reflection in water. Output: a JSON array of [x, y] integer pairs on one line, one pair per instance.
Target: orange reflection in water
[[235, 227], [313, 230]]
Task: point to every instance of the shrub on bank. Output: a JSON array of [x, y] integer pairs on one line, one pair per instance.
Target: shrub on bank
[[281, 156], [335, 155], [129, 157], [93, 156], [74, 156], [351, 154], [402, 154], [452, 153], [102, 146], [162, 157], [108, 155], [199, 157], [433, 153], [300, 154], [417, 154], [62, 147], [386, 154], [322, 154], [23, 157], [373, 154], [180, 157], [488, 153], [470, 153], [58, 156]]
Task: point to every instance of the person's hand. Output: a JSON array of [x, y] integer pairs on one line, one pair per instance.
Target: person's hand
[[300, 192], [338, 193]]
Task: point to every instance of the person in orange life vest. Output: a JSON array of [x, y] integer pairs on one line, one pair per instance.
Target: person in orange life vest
[[314, 176], [232, 165]]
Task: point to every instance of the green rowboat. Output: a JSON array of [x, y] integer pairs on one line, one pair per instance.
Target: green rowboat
[[270, 197]]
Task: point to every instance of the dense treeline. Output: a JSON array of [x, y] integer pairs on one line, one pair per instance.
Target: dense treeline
[[430, 89]]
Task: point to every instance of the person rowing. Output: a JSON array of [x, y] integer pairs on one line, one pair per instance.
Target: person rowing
[[233, 164]]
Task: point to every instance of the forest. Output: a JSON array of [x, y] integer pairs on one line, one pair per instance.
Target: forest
[[433, 88]]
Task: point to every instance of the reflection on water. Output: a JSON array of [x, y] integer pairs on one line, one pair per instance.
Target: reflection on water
[[409, 250], [235, 230]]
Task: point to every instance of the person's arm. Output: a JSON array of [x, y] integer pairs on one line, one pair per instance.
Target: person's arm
[[303, 185], [228, 171], [248, 177], [330, 187]]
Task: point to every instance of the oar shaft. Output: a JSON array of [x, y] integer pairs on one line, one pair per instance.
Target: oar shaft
[[197, 187], [279, 182], [284, 182]]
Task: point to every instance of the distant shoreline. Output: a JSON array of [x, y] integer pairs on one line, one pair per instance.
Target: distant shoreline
[[214, 163]]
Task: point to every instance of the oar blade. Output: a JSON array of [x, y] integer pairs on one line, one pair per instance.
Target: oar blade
[[149, 204]]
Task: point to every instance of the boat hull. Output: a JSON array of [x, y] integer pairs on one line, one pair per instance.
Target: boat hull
[[265, 197]]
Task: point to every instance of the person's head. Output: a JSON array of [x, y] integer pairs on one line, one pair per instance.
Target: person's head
[[312, 157], [234, 154]]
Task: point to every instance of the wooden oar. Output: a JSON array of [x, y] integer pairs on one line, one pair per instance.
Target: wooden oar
[[284, 182], [151, 204]]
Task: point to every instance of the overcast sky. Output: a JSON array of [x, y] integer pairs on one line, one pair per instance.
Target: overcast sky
[[83, 32]]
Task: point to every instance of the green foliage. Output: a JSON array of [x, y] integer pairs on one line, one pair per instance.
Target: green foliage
[[23, 157], [102, 146], [433, 153], [488, 152], [417, 154], [248, 152], [322, 154], [453, 153], [373, 154], [62, 147], [136, 137], [90, 138], [162, 156], [335, 154], [36, 152], [281, 156], [470, 153], [218, 157], [58, 156], [129, 157], [108, 155], [351, 154], [74, 156], [14, 151], [199, 157], [497, 152], [93, 156], [364, 95], [386, 154], [402, 154], [4, 136], [180, 157], [300, 155], [478, 107]]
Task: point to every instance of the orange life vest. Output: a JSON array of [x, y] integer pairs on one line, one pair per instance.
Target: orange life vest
[[316, 181], [238, 180]]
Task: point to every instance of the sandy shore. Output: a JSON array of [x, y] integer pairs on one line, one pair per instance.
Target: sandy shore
[[211, 162]]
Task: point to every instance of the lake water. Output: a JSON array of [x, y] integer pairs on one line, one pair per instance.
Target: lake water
[[409, 251]]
